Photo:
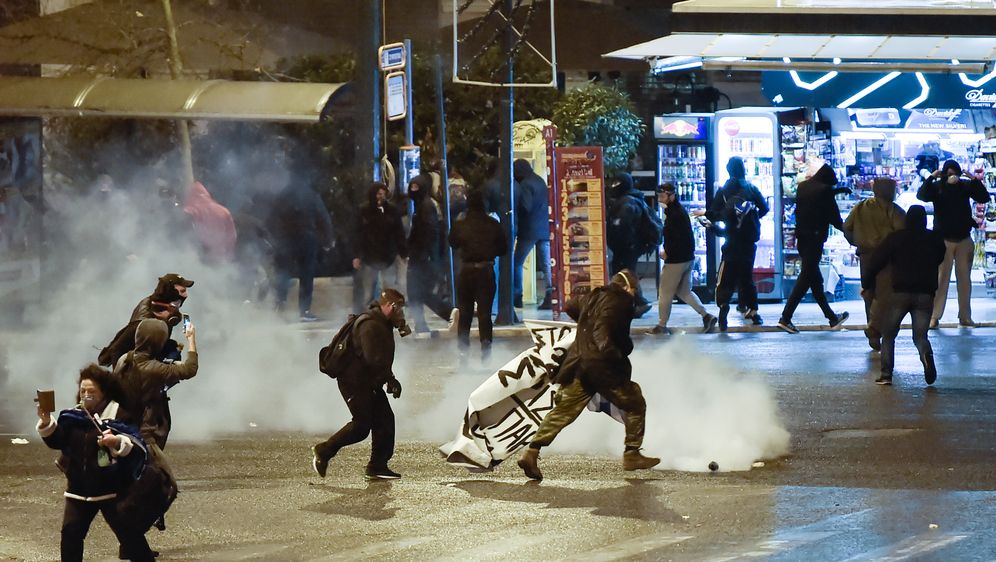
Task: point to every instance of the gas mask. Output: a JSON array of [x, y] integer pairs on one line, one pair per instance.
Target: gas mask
[[174, 313], [397, 319], [953, 179]]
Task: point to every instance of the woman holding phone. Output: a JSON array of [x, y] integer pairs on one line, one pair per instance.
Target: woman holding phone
[[100, 457]]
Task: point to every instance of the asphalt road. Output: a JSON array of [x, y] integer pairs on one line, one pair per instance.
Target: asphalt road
[[874, 473]]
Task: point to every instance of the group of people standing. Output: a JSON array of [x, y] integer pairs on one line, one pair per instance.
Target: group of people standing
[[905, 267], [112, 442]]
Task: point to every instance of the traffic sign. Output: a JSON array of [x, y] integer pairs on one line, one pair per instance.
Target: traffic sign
[[392, 56], [395, 96]]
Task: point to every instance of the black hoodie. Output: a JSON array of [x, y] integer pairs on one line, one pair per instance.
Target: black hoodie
[[424, 242], [380, 237], [532, 203], [816, 210], [723, 209], [953, 218], [914, 253]]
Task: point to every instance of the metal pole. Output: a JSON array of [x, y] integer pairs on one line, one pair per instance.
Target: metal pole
[[410, 114], [175, 69], [370, 71], [444, 170], [506, 312]]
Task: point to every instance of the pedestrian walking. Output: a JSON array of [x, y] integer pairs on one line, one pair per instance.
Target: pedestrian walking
[[379, 240], [952, 195], [478, 240], [679, 258], [739, 206], [362, 384], [532, 230], [868, 224], [915, 254], [425, 244], [597, 362], [815, 213], [101, 457]]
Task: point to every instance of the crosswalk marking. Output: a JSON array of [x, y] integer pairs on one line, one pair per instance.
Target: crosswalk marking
[[910, 547], [628, 548]]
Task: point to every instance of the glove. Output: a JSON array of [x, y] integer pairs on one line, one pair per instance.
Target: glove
[[393, 388]]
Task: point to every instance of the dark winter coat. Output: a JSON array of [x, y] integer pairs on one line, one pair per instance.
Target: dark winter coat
[[603, 336], [723, 209], [626, 210], [75, 435], [816, 210], [380, 236], [532, 203], [477, 237], [299, 217], [144, 380], [424, 240], [374, 337], [914, 253], [679, 242], [953, 216]]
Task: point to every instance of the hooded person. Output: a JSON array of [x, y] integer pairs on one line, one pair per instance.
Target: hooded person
[[212, 223], [425, 246], [815, 212], [597, 362], [379, 241], [627, 232], [868, 224], [913, 253], [952, 196], [532, 228], [163, 304], [739, 206]]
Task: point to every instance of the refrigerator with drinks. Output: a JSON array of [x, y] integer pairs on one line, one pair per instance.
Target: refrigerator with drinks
[[756, 136], [684, 159]]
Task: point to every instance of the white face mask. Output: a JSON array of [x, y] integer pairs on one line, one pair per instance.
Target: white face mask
[[953, 179]]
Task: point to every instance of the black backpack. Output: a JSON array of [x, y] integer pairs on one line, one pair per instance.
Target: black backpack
[[336, 357], [648, 230]]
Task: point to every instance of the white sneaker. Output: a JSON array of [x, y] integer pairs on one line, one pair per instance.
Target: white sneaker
[[454, 320]]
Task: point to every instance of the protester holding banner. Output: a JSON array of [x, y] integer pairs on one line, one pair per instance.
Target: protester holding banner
[[598, 362]]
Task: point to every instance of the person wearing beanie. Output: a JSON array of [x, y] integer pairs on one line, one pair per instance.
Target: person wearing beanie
[[425, 255], [914, 253], [597, 362], [478, 240], [815, 212], [739, 206], [867, 225], [952, 196], [679, 258]]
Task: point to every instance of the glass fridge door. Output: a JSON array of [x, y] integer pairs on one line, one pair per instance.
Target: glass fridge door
[[684, 166], [753, 137]]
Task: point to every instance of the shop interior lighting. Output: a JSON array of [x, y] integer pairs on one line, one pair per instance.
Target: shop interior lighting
[[871, 88], [671, 64], [815, 83]]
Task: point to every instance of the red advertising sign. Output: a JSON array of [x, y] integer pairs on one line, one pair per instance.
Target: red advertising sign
[[579, 223]]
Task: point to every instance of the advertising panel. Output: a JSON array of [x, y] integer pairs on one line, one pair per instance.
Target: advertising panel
[[579, 232]]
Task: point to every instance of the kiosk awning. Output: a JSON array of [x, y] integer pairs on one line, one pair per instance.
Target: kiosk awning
[[89, 96], [735, 50]]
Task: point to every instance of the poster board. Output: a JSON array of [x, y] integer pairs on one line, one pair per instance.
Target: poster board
[[579, 223]]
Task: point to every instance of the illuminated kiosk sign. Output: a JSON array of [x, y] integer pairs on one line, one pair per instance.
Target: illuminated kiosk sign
[[681, 128], [870, 90]]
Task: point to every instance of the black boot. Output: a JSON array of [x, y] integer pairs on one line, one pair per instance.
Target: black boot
[[724, 312], [547, 303]]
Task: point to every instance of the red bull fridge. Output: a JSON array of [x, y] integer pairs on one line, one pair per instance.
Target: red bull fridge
[[685, 159]]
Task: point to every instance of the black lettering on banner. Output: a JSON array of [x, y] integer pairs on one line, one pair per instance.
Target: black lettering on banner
[[527, 363]]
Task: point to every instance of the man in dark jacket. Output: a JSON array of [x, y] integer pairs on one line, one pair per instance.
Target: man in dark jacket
[[425, 244], [363, 384], [914, 254], [952, 195], [815, 212], [301, 226], [598, 362], [739, 206], [679, 259], [533, 228], [380, 239], [626, 209], [478, 239]]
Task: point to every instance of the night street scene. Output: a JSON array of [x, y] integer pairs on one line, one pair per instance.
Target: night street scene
[[497, 280]]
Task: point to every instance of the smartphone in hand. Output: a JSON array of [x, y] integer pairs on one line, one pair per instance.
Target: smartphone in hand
[[186, 322]]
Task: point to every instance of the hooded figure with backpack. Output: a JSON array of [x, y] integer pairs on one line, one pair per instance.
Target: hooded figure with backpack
[[363, 373], [632, 230], [425, 256], [739, 206]]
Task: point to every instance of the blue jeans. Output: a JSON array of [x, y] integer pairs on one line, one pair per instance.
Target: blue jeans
[[522, 249]]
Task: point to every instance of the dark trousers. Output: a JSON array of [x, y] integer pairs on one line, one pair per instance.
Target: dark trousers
[[810, 278], [736, 273], [626, 259], [372, 415], [301, 258], [76, 520], [422, 279], [919, 306], [475, 285]]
